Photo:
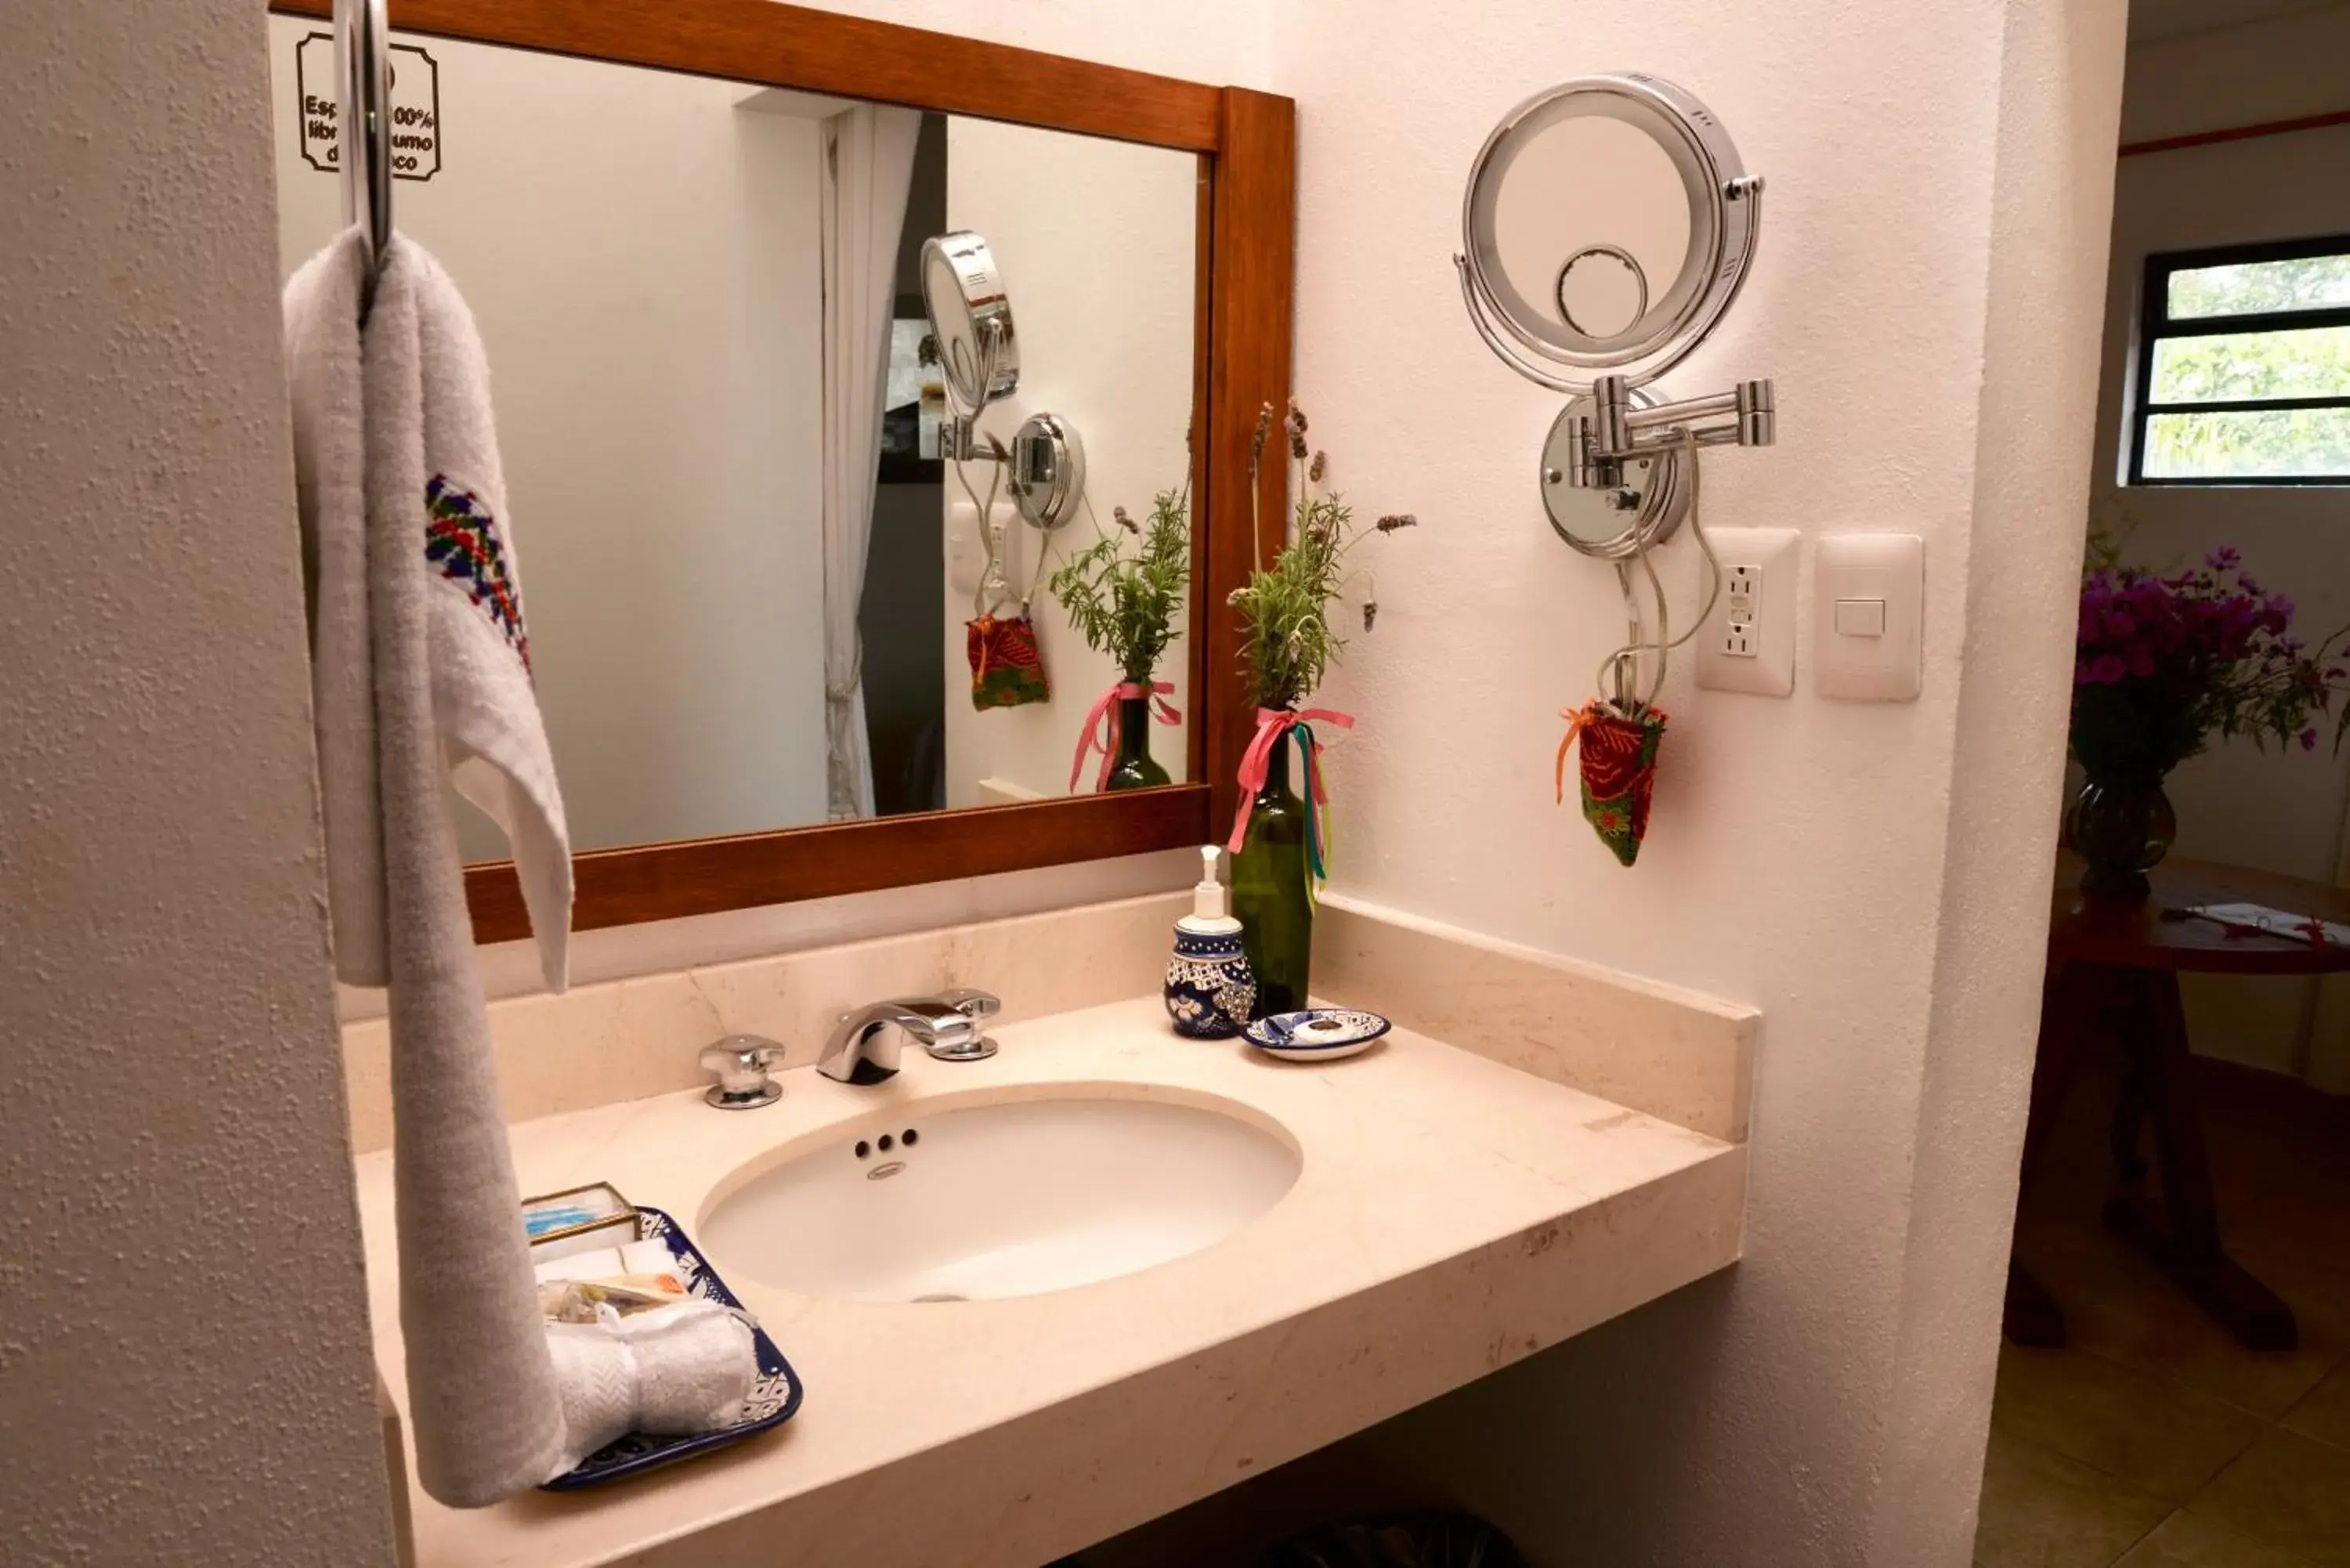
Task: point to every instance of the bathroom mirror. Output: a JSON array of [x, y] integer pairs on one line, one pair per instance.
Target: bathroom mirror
[[733, 312]]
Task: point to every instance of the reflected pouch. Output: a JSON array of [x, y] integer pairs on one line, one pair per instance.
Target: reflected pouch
[[1006, 670]]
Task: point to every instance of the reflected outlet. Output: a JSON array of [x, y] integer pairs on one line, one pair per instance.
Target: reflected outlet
[[1747, 642]]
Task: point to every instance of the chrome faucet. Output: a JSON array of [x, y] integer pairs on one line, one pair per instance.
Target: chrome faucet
[[864, 1044]]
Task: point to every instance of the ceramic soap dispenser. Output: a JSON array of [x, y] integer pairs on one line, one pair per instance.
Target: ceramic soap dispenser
[[1210, 990]]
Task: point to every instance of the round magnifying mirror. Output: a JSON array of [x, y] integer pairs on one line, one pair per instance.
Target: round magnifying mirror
[[1612, 523], [1048, 471], [963, 293], [1608, 225]]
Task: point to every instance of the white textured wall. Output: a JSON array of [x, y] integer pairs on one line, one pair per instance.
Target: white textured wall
[[1096, 244], [1873, 877], [642, 256], [185, 1375], [2282, 810]]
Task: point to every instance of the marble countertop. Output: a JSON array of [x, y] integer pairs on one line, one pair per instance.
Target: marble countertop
[[1452, 1215]]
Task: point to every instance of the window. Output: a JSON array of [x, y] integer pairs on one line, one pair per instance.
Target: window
[[2243, 370]]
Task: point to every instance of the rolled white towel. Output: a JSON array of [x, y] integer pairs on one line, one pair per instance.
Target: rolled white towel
[[671, 1372]]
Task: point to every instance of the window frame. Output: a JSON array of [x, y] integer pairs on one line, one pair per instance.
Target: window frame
[[2155, 325]]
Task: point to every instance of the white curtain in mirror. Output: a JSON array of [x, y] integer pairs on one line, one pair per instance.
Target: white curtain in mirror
[[869, 164]]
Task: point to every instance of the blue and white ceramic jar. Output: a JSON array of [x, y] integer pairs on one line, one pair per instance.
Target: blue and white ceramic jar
[[1210, 990]]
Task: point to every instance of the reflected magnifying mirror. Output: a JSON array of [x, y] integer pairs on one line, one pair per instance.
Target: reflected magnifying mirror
[[970, 317], [978, 361], [1606, 229]]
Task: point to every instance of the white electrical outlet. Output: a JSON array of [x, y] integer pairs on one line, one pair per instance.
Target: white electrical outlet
[[1747, 643]]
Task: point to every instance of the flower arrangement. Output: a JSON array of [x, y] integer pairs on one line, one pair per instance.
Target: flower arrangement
[[1280, 839], [2164, 662], [2161, 663], [1287, 644], [1125, 605]]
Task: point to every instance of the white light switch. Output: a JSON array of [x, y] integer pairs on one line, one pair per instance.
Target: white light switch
[[1860, 618], [966, 552], [1869, 645]]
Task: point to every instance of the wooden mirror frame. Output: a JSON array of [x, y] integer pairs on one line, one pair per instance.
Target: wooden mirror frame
[[1246, 143]]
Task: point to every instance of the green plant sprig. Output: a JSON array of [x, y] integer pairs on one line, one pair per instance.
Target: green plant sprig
[[1124, 605], [1287, 644]]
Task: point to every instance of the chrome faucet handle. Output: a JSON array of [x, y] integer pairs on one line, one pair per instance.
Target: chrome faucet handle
[[971, 1044], [742, 1062], [972, 1002]]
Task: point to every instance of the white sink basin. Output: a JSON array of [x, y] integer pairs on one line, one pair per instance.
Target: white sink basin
[[1012, 1199]]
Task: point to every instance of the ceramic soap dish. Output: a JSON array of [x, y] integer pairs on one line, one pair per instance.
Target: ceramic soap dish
[[775, 1397], [1317, 1033]]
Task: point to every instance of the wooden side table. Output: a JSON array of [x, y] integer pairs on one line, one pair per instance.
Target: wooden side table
[[2113, 969]]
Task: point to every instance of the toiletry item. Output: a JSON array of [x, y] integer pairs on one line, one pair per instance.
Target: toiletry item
[[670, 1372], [591, 1218], [580, 1301], [774, 1398], [1317, 1033], [1210, 990]]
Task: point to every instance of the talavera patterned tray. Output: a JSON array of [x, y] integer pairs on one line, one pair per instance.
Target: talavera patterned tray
[[774, 1398]]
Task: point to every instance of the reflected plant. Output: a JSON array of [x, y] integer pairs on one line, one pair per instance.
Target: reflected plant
[[1123, 592]]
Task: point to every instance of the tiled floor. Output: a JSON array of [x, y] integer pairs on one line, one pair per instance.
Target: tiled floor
[[2153, 1439]]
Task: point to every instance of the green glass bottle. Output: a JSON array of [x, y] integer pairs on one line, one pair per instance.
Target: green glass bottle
[[1269, 893], [1134, 768]]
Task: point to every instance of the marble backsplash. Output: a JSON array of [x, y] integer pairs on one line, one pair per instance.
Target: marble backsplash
[[1676, 1054]]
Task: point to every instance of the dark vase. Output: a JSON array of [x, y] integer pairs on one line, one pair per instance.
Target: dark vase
[[1269, 892], [2122, 827], [1133, 768]]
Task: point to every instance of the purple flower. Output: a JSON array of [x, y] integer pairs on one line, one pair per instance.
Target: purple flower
[[2120, 626], [2225, 559], [2309, 739], [2104, 670]]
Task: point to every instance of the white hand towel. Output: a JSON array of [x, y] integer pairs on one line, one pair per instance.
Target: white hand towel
[[390, 442], [671, 1372], [483, 707]]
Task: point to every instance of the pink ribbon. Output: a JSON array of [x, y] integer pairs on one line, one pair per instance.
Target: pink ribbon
[[1102, 725], [1256, 764]]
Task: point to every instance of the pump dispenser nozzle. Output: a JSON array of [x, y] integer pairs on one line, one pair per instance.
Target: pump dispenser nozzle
[[1211, 901]]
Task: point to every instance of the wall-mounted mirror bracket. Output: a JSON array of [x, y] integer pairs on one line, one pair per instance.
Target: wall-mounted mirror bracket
[[1607, 227]]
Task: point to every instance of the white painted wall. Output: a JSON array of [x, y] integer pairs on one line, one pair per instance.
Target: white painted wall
[[1095, 240], [186, 1375], [2278, 810], [1873, 877], [642, 256]]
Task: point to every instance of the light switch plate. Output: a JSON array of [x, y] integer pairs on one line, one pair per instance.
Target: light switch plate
[[1765, 558], [1859, 571], [966, 552]]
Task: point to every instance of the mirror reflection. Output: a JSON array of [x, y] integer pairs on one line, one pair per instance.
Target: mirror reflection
[[761, 592], [1598, 264]]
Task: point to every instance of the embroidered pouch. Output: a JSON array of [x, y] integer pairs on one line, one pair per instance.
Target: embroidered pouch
[[1006, 670], [1618, 764]]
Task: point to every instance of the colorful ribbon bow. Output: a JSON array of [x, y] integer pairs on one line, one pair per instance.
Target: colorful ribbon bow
[[1256, 764], [1102, 725]]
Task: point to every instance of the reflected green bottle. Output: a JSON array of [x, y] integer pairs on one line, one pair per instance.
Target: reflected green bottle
[[1134, 768], [1269, 893]]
